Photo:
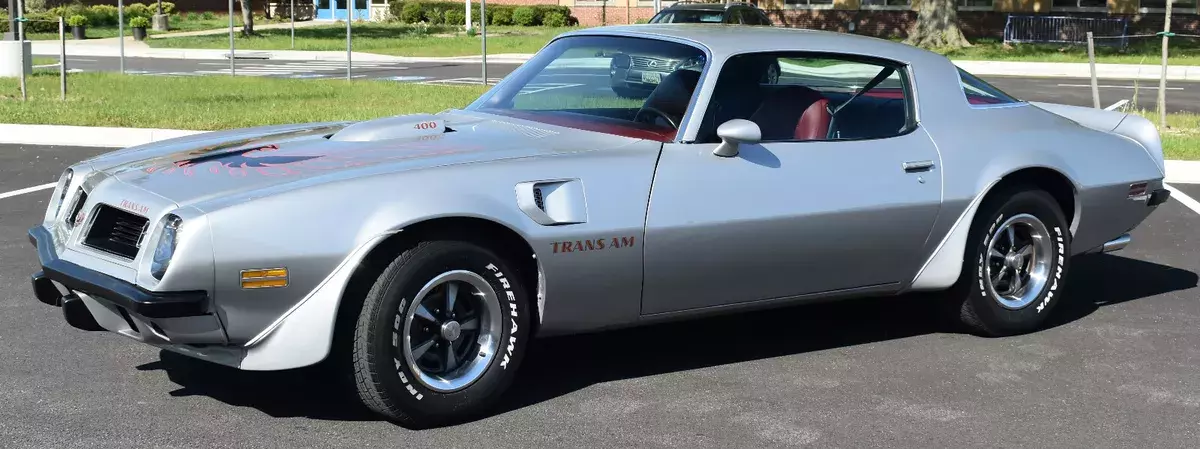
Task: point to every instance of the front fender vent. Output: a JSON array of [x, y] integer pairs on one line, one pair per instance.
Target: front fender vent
[[537, 198], [553, 202]]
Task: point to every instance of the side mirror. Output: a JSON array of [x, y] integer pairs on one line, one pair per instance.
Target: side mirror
[[735, 132]]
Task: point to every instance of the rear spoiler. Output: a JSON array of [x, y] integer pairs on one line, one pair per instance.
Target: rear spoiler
[[1132, 126]]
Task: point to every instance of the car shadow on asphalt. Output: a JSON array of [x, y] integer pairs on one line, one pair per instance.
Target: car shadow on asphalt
[[561, 365]]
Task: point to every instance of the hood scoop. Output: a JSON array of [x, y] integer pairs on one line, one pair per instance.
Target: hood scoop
[[389, 128]]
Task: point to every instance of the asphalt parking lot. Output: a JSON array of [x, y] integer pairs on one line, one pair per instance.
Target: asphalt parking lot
[[1117, 368]]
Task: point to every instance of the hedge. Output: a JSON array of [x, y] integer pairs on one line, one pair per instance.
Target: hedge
[[413, 11], [106, 15]]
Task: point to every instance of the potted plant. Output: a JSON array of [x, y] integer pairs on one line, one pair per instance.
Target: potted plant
[[78, 25], [139, 25]]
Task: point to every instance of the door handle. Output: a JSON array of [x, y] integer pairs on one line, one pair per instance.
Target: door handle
[[914, 166]]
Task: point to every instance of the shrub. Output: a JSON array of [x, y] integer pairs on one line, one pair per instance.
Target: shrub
[[32, 6], [102, 15], [525, 16], [138, 10], [168, 8], [411, 12], [139, 22], [456, 17], [501, 16], [41, 22], [434, 16], [208, 15], [77, 21], [3, 22], [191, 17], [554, 19]]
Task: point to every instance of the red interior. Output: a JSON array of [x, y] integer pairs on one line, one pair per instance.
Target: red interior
[[595, 123]]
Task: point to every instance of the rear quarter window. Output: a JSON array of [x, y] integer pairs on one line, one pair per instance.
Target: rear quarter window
[[979, 92]]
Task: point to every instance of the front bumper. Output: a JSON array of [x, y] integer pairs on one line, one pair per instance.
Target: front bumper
[[126, 295]]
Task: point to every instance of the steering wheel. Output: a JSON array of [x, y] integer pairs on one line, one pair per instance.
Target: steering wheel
[[655, 111]]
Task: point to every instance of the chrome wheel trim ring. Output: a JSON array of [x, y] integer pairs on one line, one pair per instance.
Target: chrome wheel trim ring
[[1017, 261], [471, 361]]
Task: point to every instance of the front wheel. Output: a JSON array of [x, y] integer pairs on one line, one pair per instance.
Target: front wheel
[[441, 334], [1018, 252]]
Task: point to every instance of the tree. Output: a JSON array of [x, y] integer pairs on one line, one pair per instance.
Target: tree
[[937, 26], [247, 19]]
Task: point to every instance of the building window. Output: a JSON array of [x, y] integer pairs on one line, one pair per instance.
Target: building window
[[807, 3], [884, 4], [1161, 5], [1080, 4], [975, 4]]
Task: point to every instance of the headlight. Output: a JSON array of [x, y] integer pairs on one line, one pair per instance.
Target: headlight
[[165, 249], [63, 182], [694, 63]]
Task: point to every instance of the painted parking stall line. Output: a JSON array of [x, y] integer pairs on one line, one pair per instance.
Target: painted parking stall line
[[1113, 86], [27, 190], [1183, 198]]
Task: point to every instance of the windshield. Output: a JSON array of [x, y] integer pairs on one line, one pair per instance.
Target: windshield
[[692, 16], [636, 87]]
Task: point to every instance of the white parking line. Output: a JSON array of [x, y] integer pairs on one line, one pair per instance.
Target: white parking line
[[27, 190], [1183, 199], [1147, 87]]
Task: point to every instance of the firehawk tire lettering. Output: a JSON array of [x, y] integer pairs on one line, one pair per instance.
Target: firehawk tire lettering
[[512, 305], [1058, 236]]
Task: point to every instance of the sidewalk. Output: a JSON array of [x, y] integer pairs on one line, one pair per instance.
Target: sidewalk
[[133, 49]]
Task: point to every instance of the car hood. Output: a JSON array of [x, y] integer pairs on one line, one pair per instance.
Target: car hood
[[192, 169]]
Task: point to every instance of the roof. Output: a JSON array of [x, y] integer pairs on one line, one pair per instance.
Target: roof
[[726, 39]]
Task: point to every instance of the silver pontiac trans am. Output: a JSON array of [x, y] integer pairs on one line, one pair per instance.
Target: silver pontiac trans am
[[421, 253]]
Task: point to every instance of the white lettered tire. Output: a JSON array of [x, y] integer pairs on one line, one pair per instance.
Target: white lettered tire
[[1017, 255], [422, 359]]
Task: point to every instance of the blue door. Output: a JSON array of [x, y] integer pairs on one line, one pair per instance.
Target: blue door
[[336, 10]]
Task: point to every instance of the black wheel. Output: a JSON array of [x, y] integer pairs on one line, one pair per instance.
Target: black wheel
[[441, 334], [1018, 252]]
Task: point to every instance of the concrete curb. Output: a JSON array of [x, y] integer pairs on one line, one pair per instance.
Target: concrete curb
[[1185, 172]]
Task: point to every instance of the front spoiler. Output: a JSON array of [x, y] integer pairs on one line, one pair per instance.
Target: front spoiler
[[77, 278]]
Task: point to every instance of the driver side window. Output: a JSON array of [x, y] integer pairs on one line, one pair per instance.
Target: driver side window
[[795, 96]]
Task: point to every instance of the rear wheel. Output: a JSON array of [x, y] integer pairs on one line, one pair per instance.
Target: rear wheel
[[1018, 252], [441, 334]]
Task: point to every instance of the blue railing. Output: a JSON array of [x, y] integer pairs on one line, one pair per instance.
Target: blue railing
[[1069, 30]]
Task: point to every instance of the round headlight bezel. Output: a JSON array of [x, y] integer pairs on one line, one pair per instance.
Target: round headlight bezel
[[164, 249]]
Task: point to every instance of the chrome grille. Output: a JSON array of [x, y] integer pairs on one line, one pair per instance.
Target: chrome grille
[[116, 232], [653, 64]]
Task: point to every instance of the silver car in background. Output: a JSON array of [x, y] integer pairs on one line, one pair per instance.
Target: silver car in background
[[421, 253]]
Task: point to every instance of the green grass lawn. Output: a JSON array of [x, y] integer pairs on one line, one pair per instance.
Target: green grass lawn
[[1181, 139], [381, 38], [214, 102], [1183, 51]]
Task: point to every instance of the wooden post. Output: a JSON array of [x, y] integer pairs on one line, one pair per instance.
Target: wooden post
[[1162, 79], [1092, 65]]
